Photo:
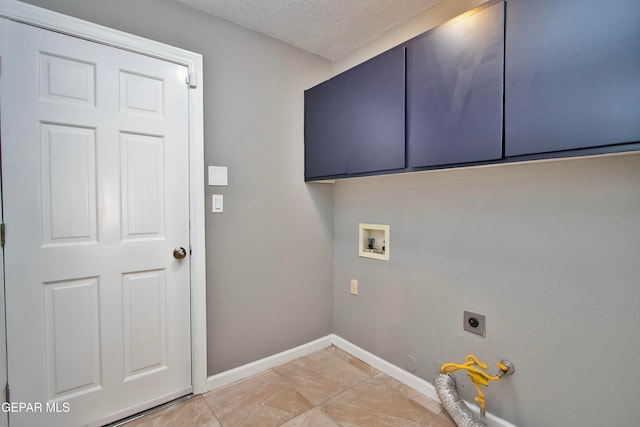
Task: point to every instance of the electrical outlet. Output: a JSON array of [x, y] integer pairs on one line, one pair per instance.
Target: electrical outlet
[[354, 287], [474, 322]]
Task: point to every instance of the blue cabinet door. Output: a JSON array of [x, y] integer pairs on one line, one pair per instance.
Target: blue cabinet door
[[572, 74], [455, 91], [354, 122], [376, 113], [325, 146]]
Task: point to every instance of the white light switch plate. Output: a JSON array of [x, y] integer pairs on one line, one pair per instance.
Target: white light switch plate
[[217, 203], [218, 175]]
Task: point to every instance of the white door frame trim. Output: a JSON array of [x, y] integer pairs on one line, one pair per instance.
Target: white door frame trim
[[43, 18]]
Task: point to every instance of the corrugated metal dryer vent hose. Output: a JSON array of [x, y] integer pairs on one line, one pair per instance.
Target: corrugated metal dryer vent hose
[[458, 410]]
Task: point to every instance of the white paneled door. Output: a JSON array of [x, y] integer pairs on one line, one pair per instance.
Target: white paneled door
[[96, 198]]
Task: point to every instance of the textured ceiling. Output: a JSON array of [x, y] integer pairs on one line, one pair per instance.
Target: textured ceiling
[[329, 28]]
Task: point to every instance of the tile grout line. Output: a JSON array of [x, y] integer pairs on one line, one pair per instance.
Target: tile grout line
[[369, 378], [212, 411], [335, 396]]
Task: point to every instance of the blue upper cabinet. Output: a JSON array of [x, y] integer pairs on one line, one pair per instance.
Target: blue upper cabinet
[[455, 90], [562, 80], [376, 113], [572, 74], [354, 123], [325, 146]]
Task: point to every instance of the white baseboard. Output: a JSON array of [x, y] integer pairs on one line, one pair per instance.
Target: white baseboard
[[407, 378], [245, 371], [382, 365], [424, 387]]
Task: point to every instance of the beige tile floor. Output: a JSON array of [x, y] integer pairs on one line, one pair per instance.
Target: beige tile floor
[[327, 388]]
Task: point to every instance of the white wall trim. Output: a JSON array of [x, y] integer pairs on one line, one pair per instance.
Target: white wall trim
[[43, 18], [407, 378], [54, 21], [383, 366], [424, 387], [245, 371]]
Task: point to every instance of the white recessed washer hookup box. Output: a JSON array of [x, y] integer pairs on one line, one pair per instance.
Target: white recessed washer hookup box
[[373, 241]]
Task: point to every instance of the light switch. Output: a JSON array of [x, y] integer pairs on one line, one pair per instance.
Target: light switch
[[218, 175], [217, 203]]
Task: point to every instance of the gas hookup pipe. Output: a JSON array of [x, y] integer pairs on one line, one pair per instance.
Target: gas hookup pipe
[[446, 388], [458, 410]]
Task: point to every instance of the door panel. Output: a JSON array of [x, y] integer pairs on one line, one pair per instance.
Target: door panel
[[145, 346], [142, 184], [95, 179], [68, 194], [72, 337], [141, 94], [67, 80]]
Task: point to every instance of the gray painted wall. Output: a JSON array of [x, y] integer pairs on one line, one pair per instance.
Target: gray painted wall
[[548, 251], [269, 255]]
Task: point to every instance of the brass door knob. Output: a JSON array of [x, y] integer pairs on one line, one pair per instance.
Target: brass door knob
[[179, 253]]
